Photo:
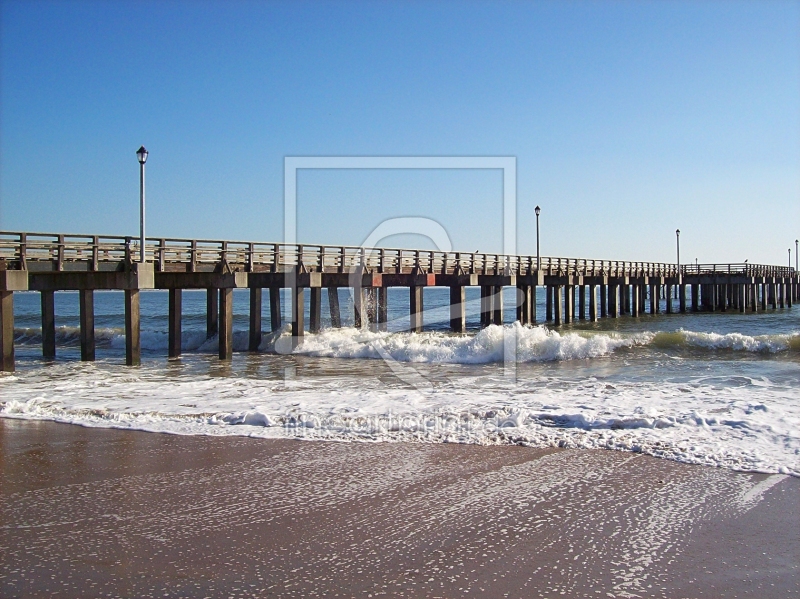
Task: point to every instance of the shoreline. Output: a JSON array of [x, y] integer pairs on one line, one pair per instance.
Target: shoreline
[[110, 512]]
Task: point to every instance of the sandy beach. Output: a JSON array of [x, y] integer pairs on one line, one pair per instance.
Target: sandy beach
[[110, 513]]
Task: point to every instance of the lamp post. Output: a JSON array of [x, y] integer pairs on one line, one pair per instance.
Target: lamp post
[[796, 241], [538, 257], [141, 154], [678, 241]]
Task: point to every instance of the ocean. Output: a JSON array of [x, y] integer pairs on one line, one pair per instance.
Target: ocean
[[721, 389]]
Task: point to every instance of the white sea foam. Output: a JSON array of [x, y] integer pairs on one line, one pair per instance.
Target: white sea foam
[[750, 425], [531, 344]]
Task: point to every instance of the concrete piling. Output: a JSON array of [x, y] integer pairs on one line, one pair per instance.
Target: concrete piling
[[275, 320], [7, 331], [48, 324], [416, 308], [549, 291], [487, 305], [559, 319], [315, 309], [603, 301], [458, 309], [383, 308], [333, 305], [86, 307], [212, 312], [298, 315], [497, 301], [174, 322], [133, 342], [226, 323]]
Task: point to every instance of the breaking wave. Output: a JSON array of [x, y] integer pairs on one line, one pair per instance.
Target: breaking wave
[[531, 344]]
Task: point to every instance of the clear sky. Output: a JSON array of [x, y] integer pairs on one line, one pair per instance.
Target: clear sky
[[627, 119]]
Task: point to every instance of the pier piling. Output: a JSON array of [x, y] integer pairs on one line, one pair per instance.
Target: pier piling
[[212, 312], [133, 343], [254, 338], [6, 331], [86, 308], [174, 325], [458, 309], [315, 310], [333, 305], [275, 320], [48, 324], [226, 323]]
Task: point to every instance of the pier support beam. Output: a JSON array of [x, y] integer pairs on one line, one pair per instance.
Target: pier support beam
[[593, 303], [275, 308], [133, 339], [174, 325], [569, 303], [86, 301], [635, 303], [581, 302], [532, 308], [613, 298], [668, 297], [603, 301], [315, 309], [371, 305], [383, 308], [298, 306], [557, 305], [333, 305], [7, 331], [416, 308], [458, 312], [487, 305], [212, 312], [655, 292], [48, 324], [358, 308], [625, 301], [682, 298], [549, 291], [497, 313], [254, 339], [226, 323]]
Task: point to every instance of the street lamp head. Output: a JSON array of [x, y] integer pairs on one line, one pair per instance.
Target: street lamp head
[[537, 210], [678, 232], [141, 153]]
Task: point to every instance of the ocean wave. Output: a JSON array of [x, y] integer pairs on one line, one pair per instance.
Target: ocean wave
[[491, 344], [737, 442]]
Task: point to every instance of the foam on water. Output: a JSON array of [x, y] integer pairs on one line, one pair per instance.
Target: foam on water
[[744, 424], [531, 344]]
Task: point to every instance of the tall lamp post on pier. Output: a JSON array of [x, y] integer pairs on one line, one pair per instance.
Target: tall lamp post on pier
[[141, 153], [678, 241], [796, 242], [538, 257]]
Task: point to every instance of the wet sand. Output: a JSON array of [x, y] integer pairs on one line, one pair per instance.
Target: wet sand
[[111, 513]]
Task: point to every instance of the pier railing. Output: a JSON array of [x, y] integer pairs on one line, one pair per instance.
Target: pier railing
[[19, 250]]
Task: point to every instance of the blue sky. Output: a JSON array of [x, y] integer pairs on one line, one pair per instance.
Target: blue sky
[[628, 120]]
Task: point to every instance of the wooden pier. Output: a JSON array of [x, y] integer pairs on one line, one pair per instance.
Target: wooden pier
[[58, 262]]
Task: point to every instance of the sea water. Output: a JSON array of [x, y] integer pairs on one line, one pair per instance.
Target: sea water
[[720, 389]]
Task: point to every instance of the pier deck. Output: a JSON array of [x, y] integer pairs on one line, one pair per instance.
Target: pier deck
[[85, 263]]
